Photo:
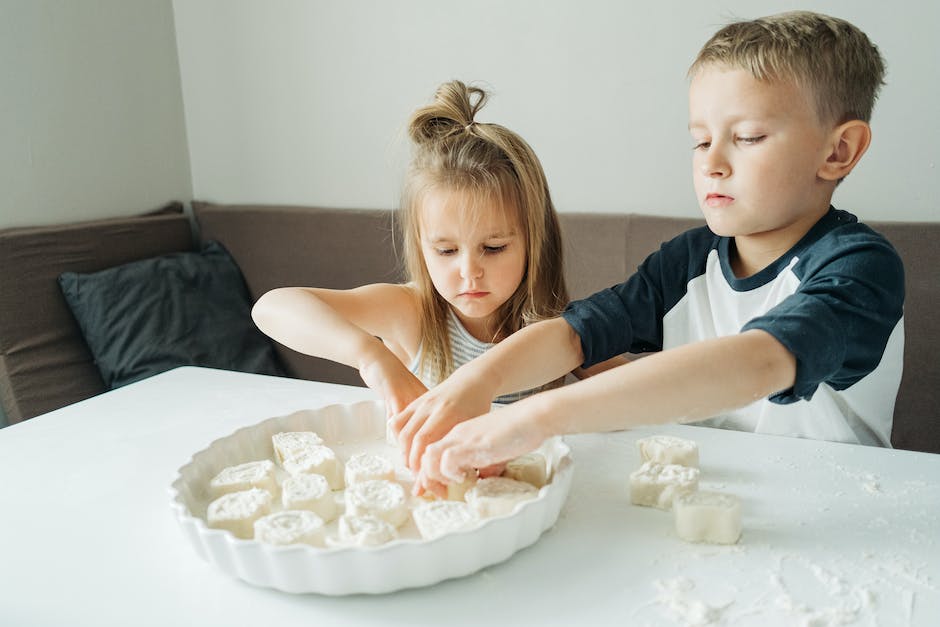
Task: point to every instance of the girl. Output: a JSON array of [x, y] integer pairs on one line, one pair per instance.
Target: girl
[[483, 258]]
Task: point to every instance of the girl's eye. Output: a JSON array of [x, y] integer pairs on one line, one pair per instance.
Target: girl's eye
[[445, 251], [756, 139], [489, 250]]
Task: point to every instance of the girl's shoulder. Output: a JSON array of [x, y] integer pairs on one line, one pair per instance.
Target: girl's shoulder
[[394, 314]]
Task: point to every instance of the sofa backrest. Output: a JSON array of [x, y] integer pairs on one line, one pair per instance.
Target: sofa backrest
[[44, 361], [278, 246], [340, 248]]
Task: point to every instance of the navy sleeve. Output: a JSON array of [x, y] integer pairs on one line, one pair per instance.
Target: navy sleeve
[[628, 317], [838, 322]]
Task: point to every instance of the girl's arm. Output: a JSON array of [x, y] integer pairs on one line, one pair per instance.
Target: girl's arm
[[682, 384], [529, 357], [374, 328]]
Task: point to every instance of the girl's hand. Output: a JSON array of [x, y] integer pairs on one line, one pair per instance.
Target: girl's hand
[[483, 442], [429, 418], [397, 386]]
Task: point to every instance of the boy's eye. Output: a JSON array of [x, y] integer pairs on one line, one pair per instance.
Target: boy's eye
[[701, 145], [755, 139]]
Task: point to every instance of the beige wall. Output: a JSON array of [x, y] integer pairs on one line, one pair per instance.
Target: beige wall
[[91, 113], [303, 101]]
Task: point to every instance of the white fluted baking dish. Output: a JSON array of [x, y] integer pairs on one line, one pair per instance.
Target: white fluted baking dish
[[407, 562]]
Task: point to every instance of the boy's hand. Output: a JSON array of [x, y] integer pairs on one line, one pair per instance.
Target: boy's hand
[[483, 442], [431, 417]]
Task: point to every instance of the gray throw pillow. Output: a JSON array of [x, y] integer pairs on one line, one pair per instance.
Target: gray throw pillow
[[181, 309]]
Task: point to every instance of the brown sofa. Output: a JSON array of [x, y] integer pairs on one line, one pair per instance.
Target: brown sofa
[[43, 366]]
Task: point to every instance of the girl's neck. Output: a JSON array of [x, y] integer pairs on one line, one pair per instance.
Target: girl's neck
[[482, 329]]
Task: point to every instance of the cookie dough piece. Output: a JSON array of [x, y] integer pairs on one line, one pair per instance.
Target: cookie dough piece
[[287, 442], [498, 496], [238, 511], [656, 485], [290, 527], [380, 498], [366, 467], [708, 517], [667, 449], [531, 468], [310, 492], [458, 491], [245, 476], [437, 518], [318, 460], [362, 531]]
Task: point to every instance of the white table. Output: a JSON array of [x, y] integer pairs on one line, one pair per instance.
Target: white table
[[836, 533]]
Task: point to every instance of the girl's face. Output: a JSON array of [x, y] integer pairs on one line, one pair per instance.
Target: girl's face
[[475, 254]]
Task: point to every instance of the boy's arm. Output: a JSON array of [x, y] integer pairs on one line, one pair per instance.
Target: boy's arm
[[682, 384], [345, 326], [528, 358]]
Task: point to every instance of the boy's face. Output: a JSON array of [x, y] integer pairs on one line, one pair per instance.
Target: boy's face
[[758, 146]]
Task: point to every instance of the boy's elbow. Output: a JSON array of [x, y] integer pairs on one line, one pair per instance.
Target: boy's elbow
[[774, 364]]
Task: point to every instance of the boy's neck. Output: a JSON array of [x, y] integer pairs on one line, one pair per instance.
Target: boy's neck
[[752, 253]]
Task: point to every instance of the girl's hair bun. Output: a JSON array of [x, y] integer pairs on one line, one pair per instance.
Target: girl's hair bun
[[452, 112]]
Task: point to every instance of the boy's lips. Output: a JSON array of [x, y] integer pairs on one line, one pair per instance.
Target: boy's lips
[[718, 200]]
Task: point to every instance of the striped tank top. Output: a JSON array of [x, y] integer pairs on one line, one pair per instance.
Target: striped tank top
[[465, 347]]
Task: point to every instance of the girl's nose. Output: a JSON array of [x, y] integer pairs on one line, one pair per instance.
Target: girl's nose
[[470, 266]]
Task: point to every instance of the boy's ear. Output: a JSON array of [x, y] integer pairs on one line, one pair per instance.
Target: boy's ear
[[849, 141]]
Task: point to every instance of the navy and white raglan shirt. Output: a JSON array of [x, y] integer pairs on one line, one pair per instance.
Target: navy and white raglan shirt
[[835, 300]]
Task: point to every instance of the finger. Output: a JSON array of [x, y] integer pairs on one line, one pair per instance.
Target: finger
[[453, 466], [407, 435], [430, 432], [431, 462], [437, 488], [400, 419], [492, 471]]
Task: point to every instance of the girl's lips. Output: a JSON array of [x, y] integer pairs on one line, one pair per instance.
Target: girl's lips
[[474, 294], [718, 200]]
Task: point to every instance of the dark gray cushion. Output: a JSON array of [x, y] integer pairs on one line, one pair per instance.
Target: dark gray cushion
[[44, 363], [181, 309]]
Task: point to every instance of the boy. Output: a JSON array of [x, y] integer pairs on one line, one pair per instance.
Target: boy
[[784, 316]]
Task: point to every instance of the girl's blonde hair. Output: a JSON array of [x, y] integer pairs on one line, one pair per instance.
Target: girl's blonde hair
[[491, 165]]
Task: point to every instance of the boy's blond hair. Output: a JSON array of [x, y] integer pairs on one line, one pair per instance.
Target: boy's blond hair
[[491, 165], [836, 61]]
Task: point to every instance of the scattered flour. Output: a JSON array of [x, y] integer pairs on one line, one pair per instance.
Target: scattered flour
[[675, 595]]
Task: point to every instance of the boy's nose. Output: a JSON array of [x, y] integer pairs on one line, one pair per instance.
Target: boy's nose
[[714, 165]]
